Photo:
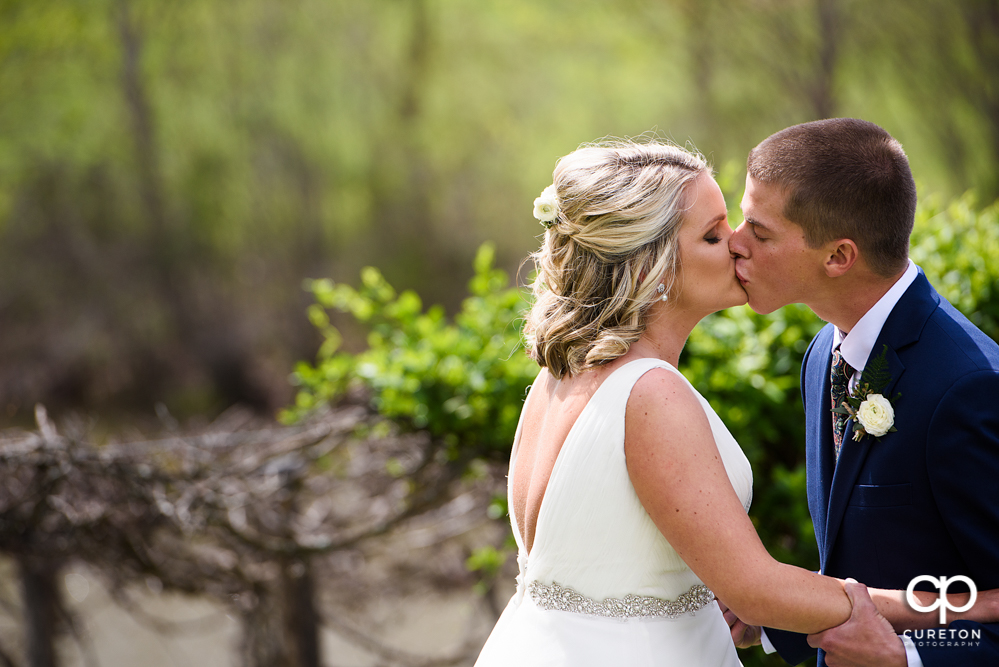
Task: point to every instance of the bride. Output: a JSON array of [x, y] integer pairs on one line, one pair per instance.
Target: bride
[[628, 496]]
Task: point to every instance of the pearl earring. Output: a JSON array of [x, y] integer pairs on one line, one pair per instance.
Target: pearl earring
[[661, 291]]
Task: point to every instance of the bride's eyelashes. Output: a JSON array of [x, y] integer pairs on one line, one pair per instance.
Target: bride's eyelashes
[[713, 236]]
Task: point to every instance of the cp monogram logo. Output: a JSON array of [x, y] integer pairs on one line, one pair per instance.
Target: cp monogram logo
[[942, 602]]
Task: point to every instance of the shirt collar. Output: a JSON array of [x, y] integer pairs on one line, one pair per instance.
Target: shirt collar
[[856, 346]]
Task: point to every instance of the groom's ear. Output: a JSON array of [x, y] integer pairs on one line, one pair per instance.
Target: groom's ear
[[841, 255]]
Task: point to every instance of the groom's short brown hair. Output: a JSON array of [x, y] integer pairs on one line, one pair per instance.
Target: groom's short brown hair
[[844, 178]]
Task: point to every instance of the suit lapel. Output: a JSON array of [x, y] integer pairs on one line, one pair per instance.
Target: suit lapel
[[901, 329], [819, 454]]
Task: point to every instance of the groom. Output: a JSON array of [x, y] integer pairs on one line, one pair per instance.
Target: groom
[[828, 210]]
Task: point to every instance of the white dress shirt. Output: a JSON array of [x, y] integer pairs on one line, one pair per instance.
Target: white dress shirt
[[856, 346]]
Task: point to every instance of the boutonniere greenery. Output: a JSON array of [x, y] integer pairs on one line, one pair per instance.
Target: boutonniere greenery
[[873, 413]]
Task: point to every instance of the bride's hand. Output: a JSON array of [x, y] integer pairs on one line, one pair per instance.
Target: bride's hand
[[743, 636]]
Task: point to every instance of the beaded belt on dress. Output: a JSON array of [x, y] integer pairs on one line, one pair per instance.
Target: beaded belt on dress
[[555, 597]]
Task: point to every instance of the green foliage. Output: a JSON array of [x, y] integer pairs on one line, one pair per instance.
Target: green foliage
[[462, 381], [876, 375], [957, 245], [487, 561], [169, 171]]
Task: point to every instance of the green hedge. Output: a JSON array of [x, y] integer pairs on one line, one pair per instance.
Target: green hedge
[[464, 381]]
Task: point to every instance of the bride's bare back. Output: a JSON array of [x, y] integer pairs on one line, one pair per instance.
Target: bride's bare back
[[552, 408]]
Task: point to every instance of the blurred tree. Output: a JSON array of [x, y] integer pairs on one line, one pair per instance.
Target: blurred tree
[[290, 530], [942, 58], [169, 173]]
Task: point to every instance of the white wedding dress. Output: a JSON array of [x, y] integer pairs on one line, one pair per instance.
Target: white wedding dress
[[601, 585]]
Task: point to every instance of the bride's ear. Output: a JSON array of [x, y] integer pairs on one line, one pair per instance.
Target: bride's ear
[[841, 255]]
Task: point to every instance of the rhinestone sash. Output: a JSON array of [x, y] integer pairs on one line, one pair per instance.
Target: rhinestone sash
[[555, 597]]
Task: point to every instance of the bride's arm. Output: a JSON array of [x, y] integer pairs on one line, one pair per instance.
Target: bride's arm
[[678, 474], [893, 606]]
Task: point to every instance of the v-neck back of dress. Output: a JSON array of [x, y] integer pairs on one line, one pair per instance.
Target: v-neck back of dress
[[592, 532]]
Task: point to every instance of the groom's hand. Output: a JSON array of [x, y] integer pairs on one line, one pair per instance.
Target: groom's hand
[[743, 636], [865, 640]]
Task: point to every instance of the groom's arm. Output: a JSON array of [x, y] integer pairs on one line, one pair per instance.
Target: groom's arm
[[963, 463]]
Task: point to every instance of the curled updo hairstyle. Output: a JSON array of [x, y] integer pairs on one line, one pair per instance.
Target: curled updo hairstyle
[[620, 206]]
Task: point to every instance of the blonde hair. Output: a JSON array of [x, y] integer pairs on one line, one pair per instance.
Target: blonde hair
[[620, 206]]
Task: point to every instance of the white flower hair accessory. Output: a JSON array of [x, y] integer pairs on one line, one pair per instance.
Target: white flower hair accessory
[[546, 207]]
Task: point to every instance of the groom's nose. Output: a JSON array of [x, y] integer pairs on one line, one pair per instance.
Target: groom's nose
[[737, 242]]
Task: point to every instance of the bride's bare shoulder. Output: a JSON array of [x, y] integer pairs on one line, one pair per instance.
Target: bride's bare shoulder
[[661, 387], [663, 399]]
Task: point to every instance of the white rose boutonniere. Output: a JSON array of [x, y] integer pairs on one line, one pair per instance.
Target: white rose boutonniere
[[876, 415], [867, 404], [546, 206]]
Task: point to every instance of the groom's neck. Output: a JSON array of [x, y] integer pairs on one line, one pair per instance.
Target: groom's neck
[[847, 298]]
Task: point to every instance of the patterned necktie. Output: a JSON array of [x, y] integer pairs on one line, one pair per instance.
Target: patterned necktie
[[839, 379]]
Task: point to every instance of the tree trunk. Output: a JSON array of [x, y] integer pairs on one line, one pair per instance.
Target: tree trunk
[[982, 18], [822, 96], [41, 611], [301, 617], [262, 642], [209, 335]]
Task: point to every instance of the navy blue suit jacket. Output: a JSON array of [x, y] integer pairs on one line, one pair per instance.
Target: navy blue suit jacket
[[925, 498]]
